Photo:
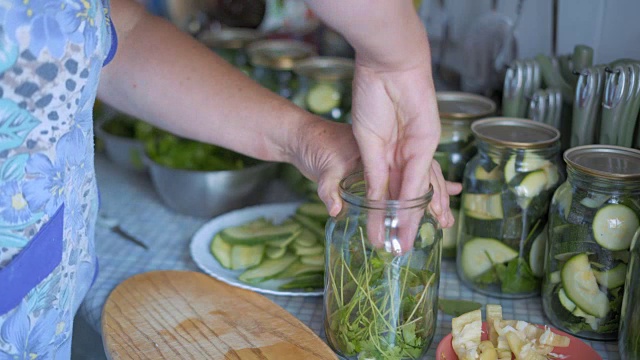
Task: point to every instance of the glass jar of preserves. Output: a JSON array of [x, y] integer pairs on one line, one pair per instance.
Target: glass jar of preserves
[[457, 111], [592, 220], [273, 62], [507, 189], [325, 86], [230, 44], [629, 335], [380, 302]]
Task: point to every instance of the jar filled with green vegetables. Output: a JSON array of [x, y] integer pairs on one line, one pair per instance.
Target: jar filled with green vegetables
[[629, 335], [457, 146], [507, 189], [381, 276], [273, 62], [230, 44], [325, 86], [593, 218]]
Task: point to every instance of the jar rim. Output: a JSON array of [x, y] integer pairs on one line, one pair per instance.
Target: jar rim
[[229, 38], [531, 135], [482, 106], [359, 199], [278, 54], [578, 157]]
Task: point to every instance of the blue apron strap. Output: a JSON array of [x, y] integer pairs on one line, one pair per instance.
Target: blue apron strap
[[33, 264]]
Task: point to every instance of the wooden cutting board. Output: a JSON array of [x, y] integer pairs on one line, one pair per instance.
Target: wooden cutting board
[[189, 315]]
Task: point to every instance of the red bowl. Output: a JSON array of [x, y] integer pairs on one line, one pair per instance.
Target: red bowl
[[577, 349]]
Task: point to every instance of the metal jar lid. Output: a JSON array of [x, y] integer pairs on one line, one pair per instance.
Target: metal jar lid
[[325, 68], [463, 106], [278, 54], [229, 38], [515, 133], [605, 161]]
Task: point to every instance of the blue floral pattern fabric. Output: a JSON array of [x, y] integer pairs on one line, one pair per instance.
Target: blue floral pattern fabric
[[51, 53]]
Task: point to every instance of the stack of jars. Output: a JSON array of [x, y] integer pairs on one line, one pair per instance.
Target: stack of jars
[[457, 146]]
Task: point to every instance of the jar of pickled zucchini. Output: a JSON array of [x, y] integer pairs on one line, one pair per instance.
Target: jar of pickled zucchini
[[592, 221], [629, 335], [325, 86], [273, 62], [457, 112], [507, 189], [381, 276], [230, 44]]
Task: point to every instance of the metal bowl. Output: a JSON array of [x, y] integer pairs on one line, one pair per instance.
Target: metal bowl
[[210, 193], [123, 151]]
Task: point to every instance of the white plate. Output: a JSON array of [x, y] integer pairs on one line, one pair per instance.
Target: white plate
[[201, 241]]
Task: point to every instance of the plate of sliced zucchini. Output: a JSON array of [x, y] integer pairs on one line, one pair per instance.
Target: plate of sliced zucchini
[[274, 249]]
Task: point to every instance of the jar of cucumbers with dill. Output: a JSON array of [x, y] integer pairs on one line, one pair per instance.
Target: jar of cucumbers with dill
[[325, 86], [629, 335], [230, 44], [457, 111], [507, 189], [592, 221], [381, 276], [273, 62]]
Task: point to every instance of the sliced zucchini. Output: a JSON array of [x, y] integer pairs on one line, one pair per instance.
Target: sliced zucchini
[[298, 268], [275, 252], [594, 200], [537, 253], [450, 235], [563, 197], [258, 232], [479, 255], [283, 243], [309, 224], [591, 320], [316, 260], [310, 282], [553, 176], [530, 162], [582, 288], [482, 174], [614, 226], [268, 269], [306, 238], [221, 251], [565, 301], [322, 98], [483, 206], [612, 278], [315, 211], [532, 184], [312, 250], [246, 256], [554, 277], [427, 234]]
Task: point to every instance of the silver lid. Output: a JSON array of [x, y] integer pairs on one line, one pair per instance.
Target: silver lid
[[278, 54], [229, 38], [515, 133], [464, 106], [325, 68], [605, 161]]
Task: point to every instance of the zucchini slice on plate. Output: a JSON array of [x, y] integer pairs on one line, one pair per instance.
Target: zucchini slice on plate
[[582, 288], [246, 256], [479, 255], [322, 98], [614, 226], [258, 232], [221, 251], [267, 269]]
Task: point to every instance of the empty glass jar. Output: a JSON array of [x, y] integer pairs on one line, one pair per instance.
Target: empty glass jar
[[592, 221], [380, 303], [629, 336], [230, 44], [457, 111], [507, 189], [325, 86], [273, 62]]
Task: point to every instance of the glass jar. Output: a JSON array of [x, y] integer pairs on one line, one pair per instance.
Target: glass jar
[[381, 303], [592, 220], [507, 189], [230, 44], [457, 111], [629, 335], [273, 62], [325, 86]]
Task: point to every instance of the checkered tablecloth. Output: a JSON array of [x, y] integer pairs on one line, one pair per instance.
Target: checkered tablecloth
[[130, 198]]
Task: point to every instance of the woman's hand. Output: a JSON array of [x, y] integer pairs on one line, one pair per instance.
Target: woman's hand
[[397, 127]]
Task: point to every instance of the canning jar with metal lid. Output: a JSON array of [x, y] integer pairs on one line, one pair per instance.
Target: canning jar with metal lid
[[629, 334], [592, 220], [273, 62], [230, 44], [507, 189], [380, 303], [325, 86], [458, 111]]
